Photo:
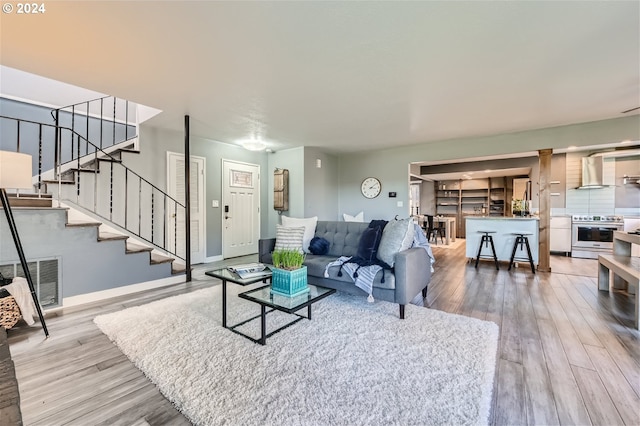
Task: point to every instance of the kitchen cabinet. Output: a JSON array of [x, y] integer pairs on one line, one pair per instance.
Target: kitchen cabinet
[[560, 234]]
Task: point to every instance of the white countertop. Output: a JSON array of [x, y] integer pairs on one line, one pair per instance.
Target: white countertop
[[501, 218]]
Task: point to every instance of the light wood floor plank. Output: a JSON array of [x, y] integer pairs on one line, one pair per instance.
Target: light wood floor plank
[[622, 394], [569, 402], [510, 409], [599, 404], [542, 319]]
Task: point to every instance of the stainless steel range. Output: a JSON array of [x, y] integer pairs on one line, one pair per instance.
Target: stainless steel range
[[593, 234]]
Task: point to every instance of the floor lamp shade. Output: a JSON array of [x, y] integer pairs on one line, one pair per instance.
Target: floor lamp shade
[[15, 170]]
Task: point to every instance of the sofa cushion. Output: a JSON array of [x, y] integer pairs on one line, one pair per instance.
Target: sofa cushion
[[309, 228], [343, 237], [289, 238], [396, 237]]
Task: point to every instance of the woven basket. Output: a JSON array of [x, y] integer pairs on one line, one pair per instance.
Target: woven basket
[[9, 312], [289, 283]]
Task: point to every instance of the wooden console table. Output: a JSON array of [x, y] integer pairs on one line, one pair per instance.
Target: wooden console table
[[624, 267]]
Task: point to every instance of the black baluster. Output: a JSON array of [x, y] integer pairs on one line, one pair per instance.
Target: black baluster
[[101, 120], [111, 192], [18, 135], [86, 141], [152, 212], [114, 122], [39, 159]]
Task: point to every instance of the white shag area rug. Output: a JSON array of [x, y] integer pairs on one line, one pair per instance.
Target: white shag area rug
[[354, 363]]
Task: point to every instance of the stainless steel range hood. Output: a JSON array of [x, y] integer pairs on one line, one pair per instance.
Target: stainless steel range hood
[[592, 168]]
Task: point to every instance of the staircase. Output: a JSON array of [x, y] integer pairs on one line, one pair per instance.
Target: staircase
[[92, 182]]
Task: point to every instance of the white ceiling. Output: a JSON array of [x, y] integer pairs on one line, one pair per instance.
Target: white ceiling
[[346, 76]]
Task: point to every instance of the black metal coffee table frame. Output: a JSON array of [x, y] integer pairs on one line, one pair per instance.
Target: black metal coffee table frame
[[225, 276], [315, 294]]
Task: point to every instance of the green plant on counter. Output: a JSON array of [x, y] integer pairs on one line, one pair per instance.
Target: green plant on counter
[[287, 259], [517, 205]]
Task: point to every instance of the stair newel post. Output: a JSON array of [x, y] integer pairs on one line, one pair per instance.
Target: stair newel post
[[187, 192], [23, 261], [18, 136]]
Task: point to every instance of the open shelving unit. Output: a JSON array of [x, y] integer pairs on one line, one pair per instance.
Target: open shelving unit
[[473, 197]]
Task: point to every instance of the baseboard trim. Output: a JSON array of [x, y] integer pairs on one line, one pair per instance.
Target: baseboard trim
[[213, 259], [119, 291]]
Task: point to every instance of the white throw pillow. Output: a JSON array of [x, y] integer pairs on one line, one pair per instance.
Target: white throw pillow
[[396, 237], [309, 228], [289, 238], [357, 218]]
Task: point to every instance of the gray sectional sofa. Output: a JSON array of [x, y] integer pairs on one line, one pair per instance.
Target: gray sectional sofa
[[411, 273]]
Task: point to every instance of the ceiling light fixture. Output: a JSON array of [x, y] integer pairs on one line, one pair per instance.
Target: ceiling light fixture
[[253, 144]]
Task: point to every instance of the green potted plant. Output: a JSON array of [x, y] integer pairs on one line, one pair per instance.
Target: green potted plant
[[288, 274]]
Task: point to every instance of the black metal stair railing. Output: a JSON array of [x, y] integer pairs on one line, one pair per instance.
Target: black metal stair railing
[[104, 121], [97, 181]]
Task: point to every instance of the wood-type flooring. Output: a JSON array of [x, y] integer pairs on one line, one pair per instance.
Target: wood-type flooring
[[568, 353]]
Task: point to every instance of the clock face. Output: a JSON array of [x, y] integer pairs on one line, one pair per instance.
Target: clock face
[[371, 187]]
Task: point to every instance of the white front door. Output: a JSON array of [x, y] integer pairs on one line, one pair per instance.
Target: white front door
[[241, 208], [175, 184]]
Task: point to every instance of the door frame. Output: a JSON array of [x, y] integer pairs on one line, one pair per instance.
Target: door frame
[[202, 198], [223, 201]]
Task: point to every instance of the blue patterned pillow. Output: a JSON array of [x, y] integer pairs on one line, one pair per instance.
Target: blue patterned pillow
[[319, 245]]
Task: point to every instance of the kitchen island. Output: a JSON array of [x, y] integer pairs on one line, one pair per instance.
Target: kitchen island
[[503, 238]]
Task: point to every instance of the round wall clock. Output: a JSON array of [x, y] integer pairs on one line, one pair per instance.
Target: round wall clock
[[371, 187]]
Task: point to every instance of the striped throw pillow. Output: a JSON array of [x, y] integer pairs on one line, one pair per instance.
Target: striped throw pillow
[[289, 238]]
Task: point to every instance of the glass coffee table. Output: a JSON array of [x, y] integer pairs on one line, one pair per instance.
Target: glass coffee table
[[225, 275], [276, 302], [263, 297]]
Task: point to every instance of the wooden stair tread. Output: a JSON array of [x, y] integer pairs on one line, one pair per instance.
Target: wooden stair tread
[[158, 258], [83, 224], [178, 269], [109, 236], [62, 181], [135, 248]]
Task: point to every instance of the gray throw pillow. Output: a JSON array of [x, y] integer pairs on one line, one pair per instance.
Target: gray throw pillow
[[396, 237]]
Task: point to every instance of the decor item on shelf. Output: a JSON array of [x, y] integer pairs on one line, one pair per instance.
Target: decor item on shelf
[[281, 190], [288, 275], [15, 173], [520, 207]]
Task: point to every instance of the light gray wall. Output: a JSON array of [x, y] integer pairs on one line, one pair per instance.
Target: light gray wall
[[320, 185], [390, 165], [86, 265], [151, 163], [391, 168], [292, 160]]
